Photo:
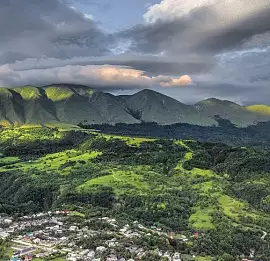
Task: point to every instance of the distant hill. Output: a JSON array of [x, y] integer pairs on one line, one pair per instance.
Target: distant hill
[[237, 114], [260, 109], [74, 104], [151, 106]]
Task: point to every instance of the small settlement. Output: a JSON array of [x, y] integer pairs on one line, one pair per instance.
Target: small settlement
[[55, 235], [51, 235]]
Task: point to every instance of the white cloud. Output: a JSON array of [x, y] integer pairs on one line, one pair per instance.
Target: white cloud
[[173, 82], [227, 11], [88, 16], [169, 9], [104, 76]]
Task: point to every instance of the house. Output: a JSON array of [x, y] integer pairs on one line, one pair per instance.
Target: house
[[15, 259], [72, 257], [112, 258], [176, 257], [91, 255], [73, 228], [101, 249], [28, 258], [36, 240], [8, 221], [65, 212], [84, 252], [167, 255], [196, 235], [4, 235]]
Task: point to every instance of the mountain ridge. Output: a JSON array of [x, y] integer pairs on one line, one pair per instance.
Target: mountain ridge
[[74, 104]]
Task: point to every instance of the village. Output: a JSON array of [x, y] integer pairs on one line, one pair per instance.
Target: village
[[52, 235]]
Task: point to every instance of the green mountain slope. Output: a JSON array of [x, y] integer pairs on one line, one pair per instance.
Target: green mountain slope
[[151, 106], [37, 107], [74, 104], [237, 114], [260, 109], [11, 107]]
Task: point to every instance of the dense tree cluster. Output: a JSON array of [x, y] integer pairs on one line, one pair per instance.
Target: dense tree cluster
[[255, 135]]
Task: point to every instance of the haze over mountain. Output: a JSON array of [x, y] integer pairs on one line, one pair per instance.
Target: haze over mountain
[[74, 104]]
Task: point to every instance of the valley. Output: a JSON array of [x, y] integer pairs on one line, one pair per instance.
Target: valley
[[219, 193]]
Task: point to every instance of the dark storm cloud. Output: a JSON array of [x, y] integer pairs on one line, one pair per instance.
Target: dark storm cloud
[[224, 47], [204, 30], [153, 65], [38, 28]]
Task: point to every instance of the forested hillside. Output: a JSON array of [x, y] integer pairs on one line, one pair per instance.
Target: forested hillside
[[182, 186], [256, 135]]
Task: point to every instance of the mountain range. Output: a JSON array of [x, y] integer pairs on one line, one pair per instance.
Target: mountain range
[[74, 104]]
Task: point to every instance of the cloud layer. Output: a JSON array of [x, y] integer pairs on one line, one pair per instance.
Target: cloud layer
[[97, 76], [192, 43], [40, 29]]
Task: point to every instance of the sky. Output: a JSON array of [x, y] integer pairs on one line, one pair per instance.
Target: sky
[[189, 50]]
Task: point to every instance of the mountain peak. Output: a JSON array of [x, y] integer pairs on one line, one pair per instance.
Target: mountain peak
[[215, 101], [73, 103]]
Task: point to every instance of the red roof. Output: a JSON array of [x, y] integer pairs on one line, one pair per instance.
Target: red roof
[[196, 234]]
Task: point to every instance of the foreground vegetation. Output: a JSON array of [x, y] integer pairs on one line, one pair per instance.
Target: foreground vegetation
[[182, 186]]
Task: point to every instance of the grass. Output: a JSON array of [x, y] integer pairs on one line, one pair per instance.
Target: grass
[[203, 258], [187, 157], [195, 172], [55, 259], [28, 92], [261, 109], [202, 219], [120, 181], [206, 187], [58, 94], [29, 133], [231, 207], [76, 214], [9, 160], [53, 162], [129, 140], [202, 173]]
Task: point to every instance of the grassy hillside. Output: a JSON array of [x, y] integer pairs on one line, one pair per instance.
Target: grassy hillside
[[151, 106], [237, 114], [182, 186], [261, 109]]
